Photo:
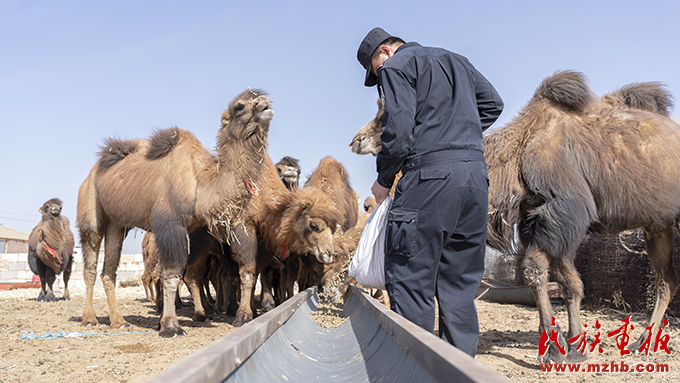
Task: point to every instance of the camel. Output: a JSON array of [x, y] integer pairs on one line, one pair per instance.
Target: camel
[[332, 178], [572, 164], [172, 186], [367, 139], [50, 249], [278, 278], [289, 172], [279, 219]]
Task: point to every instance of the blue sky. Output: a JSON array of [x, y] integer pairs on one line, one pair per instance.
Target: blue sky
[[74, 72]]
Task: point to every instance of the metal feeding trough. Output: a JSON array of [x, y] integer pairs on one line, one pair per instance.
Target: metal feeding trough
[[286, 345]]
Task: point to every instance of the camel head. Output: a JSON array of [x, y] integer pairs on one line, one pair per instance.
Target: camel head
[[50, 209], [247, 119], [370, 204], [367, 139], [289, 172], [308, 224]]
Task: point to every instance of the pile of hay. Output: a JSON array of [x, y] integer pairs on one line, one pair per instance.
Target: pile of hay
[[617, 273]]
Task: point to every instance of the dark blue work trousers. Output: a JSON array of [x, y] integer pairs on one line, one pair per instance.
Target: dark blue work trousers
[[435, 245]]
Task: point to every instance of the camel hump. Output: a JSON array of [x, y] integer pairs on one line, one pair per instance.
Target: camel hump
[[568, 89], [114, 150], [650, 96], [162, 142]]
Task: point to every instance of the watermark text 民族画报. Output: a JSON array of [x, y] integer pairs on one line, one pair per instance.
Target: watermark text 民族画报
[[606, 367], [655, 341]]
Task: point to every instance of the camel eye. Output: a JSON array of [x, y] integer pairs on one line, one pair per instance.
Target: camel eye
[[314, 226], [240, 107]]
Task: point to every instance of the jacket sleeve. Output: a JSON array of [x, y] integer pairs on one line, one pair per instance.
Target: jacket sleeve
[[398, 123], [489, 102]]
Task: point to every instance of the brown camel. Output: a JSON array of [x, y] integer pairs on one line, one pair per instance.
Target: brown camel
[[278, 278], [170, 185], [279, 219], [289, 172], [331, 178], [50, 249], [572, 164]]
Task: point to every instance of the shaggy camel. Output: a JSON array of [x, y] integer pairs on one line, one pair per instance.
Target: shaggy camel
[[278, 219], [170, 185], [289, 172], [50, 249], [331, 178], [563, 168], [278, 278]]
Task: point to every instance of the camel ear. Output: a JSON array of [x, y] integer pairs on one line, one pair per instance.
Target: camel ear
[[40, 210], [306, 204]]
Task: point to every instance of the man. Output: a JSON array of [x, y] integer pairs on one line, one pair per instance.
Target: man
[[436, 107]]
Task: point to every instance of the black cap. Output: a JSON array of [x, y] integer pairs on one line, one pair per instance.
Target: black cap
[[370, 43]]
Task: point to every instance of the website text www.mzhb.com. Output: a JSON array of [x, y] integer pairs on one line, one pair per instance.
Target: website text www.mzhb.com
[[606, 367]]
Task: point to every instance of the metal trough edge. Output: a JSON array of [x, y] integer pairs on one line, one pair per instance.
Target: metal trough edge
[[213, 363], [217, 361], [441, 360]]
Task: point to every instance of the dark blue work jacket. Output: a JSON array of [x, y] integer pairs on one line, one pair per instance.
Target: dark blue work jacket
[[435, 100]]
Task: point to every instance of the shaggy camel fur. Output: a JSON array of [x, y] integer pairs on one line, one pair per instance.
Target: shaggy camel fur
[[170, 185], [280, 220], [572, 164], [50, 249]]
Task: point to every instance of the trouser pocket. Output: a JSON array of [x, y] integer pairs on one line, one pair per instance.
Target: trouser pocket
[[401, 232]]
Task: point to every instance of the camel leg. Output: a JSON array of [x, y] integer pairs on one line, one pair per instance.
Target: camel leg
[[535, 266], [244, 313], [113, 244], [90, 242], [43, 287], [146, 281], [244, 252], [292, 267], [195, 287], [567, 277], [231, 291], [172, 240], [660, 251], [67, 277], [50, 277], [266, 280], [169, 326]]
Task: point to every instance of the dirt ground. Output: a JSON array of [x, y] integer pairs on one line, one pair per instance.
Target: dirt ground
[[508, 342]]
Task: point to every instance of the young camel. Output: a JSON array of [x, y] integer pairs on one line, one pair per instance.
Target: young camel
[[170, 185]]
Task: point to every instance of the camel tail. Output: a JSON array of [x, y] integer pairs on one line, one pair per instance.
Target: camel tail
[[567, 89], [88, 214], [651, 96]]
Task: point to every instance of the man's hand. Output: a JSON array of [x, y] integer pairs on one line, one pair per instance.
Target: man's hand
[[379, 192]]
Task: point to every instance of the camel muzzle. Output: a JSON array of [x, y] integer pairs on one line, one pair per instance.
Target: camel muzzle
[[264, 106], [325, 258]]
